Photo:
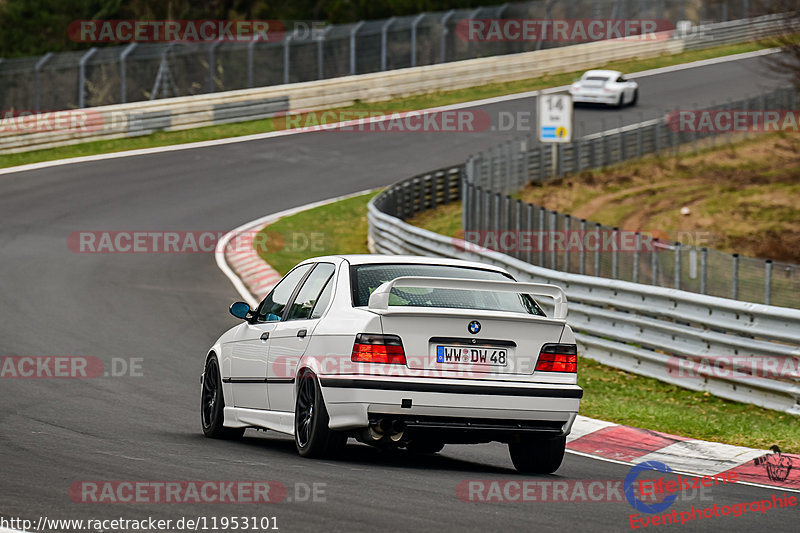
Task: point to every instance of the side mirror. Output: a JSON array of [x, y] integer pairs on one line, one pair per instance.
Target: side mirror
[[240, 310]]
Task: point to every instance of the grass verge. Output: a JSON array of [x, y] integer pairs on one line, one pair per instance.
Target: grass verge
[[610, 394], [411, 103]]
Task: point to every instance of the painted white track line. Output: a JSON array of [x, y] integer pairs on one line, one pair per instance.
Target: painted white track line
[[298, 131]]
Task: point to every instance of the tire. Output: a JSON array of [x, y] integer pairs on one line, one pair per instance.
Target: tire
[[212, 405], [312, 437], [621, 101], [635, 97], [537, 455], [423, 446]]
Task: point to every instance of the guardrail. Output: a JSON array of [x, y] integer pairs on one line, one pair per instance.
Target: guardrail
[[47, 130], [667, 334]]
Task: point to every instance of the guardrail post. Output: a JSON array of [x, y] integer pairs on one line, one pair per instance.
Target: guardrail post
[[37, 71], [735, 278], [582, 259], [615, 254], [677, 265], [604, 142], [506, 216], [487, 201], [509, 161], [353, 32], [321, 53], [445, 31], [768, 282], [123, 77], [636, 246], [414, 25], [597, 251], [211, 65], [82, 76], [622, 151], [384, 31], [657, 139], [703, 270], [654, 264]]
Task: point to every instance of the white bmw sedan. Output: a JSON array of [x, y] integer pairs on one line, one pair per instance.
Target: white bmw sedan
[[608, 87], [398, 351]]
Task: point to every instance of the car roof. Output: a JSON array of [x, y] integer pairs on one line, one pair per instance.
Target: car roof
[[367, 259], [607, 73]]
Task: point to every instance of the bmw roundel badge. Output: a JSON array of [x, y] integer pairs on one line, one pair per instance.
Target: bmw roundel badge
[[474, 327]]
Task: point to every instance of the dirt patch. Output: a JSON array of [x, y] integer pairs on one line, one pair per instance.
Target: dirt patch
[[743, 198]]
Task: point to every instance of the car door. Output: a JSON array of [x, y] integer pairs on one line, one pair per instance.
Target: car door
[[250, 351], [292, 335]]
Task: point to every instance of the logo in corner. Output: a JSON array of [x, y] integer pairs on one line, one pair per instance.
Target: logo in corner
[[474, 327], [777, 466]]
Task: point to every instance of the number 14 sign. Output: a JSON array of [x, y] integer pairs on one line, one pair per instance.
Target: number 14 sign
[[555, 118]]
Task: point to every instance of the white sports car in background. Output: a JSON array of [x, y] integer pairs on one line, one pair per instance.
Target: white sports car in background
[[398, 351], [608, 87]]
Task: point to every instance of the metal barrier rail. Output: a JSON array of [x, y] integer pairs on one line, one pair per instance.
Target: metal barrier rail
[[652, 331]]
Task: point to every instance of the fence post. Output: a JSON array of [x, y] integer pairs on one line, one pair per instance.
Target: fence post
[[353, 32], [37, 88], [211, 65], [597, 252], [287, 42], [567, 226], [553, 227], [703, 270], [496, 216], [677, 265], [654, 264], [636, 246], [541, 236], [384, 31], [82, 77], [445, 31], [414, 25], [529, 213], [622, 151], [768, 282], [604, 142], [321, 53], [466, 204], [582, 259], [735, 278], [639, 136], [518, 227], [615, 254]]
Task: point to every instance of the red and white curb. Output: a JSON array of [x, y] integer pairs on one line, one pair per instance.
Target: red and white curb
[[253, 278], [252, 275], [629, 445]]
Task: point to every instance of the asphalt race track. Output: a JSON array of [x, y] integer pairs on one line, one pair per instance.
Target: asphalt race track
[[167, 309]]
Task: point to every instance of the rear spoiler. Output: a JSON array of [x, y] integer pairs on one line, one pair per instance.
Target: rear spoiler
[[379, 299]]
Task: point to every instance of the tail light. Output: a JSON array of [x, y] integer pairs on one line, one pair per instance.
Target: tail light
[[374, 348], [558, 358]]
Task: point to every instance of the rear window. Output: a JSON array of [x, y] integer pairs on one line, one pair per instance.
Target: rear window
[[366, 278], [602, 79]]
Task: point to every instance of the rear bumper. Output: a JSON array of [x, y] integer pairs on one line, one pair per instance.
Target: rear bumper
[[595, 99], [352, 401]]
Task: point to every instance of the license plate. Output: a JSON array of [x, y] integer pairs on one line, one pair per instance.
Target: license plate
[[462, 355]]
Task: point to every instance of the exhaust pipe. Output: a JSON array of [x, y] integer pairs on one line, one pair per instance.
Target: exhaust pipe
[[376, 430], [396, 430]]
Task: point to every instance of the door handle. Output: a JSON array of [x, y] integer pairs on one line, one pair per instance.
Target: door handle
[[302, 333], [265, 336]]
